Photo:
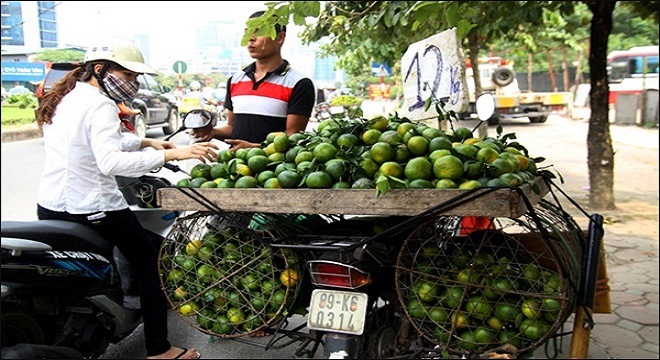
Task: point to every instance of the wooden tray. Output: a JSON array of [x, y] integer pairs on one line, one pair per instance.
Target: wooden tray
[[484, 202]]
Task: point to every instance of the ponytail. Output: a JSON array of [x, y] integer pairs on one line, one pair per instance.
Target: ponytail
[[52, 98]]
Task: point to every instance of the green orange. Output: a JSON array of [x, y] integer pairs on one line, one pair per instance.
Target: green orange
[[392, 168], [418, 145], [319, 180], [382, 152], [448, 167], [419, 168], [324, 152]]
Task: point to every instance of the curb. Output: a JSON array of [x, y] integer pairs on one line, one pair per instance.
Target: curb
[[10, 135]]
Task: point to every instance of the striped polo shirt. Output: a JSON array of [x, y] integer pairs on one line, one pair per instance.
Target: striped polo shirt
[[260, 107]]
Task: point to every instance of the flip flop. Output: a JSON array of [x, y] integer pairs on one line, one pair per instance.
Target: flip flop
[[184, 351]]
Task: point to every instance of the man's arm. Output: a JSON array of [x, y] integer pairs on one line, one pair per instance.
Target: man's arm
[[296, 123], [301, 104], [223, 132]]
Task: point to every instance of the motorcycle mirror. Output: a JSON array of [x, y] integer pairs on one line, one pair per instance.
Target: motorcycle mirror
[[195, 119], [485, 106]]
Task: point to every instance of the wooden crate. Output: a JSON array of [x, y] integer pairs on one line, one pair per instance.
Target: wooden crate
[[503, 202]]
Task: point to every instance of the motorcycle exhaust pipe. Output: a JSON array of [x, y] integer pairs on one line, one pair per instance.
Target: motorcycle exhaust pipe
[[341, 346]]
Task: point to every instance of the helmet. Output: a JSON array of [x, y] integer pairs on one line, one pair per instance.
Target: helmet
[[126, 54], [195, 85]]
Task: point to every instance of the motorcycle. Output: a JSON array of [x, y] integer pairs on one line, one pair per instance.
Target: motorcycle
[[67, 291], [353, 306], [189, 103], [321, 112]]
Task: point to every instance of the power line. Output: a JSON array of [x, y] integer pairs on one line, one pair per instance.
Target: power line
[[41, 11]]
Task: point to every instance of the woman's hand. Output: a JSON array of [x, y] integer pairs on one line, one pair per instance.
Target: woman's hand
[[157, 144], [204, 151]]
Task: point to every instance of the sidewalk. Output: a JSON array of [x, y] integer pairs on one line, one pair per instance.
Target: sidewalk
[[30, 131]]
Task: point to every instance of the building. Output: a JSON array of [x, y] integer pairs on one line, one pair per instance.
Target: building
[[31, 24], [28, 27]]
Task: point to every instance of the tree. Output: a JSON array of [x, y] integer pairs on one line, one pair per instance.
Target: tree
[[60, 56], [600, 155], [360, 32]]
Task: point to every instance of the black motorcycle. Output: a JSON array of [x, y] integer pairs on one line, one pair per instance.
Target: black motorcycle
[[67, 291]]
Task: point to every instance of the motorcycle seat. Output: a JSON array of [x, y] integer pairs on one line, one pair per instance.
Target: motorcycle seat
[[61, 235]]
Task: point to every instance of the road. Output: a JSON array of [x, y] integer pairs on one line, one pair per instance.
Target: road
[[561, 141]]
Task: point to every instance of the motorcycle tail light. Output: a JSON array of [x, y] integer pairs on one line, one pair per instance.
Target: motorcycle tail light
[[334, 274]]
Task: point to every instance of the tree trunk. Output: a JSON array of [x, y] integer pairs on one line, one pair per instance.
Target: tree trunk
[[529, 72], [473, 46], [564, 69], [578, 73], [599, 141], [551, 72]]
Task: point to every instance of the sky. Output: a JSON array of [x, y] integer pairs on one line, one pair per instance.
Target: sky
[[170, 25]]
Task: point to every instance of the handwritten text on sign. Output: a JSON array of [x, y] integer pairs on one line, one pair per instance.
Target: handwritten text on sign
[[434, 68]]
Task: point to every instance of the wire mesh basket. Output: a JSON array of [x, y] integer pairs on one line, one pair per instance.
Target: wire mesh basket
[[221, 274], [470, 284]]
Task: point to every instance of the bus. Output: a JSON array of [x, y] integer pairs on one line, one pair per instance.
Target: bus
[[632, 71]]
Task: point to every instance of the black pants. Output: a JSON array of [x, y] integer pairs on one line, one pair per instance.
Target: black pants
[[123, 229]]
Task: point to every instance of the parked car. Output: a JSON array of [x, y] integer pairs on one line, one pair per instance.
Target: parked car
[[54, 74], [19, 90], [159, 108]]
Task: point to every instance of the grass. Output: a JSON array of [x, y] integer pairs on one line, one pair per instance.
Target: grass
[[14, 116]]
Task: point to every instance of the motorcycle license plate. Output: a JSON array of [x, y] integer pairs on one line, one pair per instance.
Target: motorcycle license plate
[[338, 311]]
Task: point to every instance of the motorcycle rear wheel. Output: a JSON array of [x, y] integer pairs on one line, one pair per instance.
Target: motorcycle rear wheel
[[18, 327]]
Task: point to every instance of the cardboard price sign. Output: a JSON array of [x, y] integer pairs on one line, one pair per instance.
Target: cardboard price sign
[[434, 68]]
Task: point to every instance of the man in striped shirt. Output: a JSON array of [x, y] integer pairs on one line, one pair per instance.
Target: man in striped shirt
[[264, 97]]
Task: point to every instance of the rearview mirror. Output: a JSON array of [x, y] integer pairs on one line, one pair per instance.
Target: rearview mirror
[[485, 106], [195, 119]]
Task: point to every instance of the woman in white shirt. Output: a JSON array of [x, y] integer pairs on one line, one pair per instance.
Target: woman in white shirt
[[85, 149]]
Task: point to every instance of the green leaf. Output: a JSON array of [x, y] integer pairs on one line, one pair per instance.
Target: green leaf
[[382, 185], [452, 15], [298, 19], [536, 189], [463, 28], [424, 10], [427, 104], [397, 180], [547, 174]]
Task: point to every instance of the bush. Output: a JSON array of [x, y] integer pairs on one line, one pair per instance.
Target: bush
[[24, 101]]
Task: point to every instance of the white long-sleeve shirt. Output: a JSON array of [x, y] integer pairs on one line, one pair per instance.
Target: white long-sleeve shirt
[[85, 150]]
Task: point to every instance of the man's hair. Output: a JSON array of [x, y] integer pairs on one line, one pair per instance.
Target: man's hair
[[278, 27]]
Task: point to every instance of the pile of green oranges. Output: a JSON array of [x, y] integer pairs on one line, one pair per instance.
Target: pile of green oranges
[[381, 153], [472, 296], [225, 282]]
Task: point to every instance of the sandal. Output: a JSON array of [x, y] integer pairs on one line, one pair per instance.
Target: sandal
[[184, 351]]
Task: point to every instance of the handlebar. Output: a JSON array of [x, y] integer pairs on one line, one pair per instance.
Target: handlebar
[[174, 168]]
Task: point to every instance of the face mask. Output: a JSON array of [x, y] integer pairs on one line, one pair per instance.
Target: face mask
[[120, 89]]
